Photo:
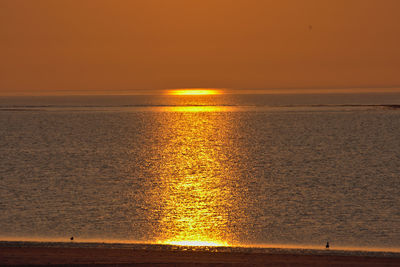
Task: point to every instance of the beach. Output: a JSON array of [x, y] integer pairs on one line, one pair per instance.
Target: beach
[[44, 256]]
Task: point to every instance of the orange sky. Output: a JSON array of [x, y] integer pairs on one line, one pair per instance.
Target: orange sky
[[49, 46]]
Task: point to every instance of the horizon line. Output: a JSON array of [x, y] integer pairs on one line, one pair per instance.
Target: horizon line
[[227, 91]]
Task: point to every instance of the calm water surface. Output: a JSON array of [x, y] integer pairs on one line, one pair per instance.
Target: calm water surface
[[278, 170]]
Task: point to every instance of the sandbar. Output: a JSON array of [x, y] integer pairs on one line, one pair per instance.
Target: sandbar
[[45, 256]]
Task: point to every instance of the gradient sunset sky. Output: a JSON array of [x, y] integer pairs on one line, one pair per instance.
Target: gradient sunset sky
[[53, 46]]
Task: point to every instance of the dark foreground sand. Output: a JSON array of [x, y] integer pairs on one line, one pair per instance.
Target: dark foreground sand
[[129, 257]]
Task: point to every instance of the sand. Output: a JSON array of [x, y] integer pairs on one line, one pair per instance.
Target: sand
[[129, 257]]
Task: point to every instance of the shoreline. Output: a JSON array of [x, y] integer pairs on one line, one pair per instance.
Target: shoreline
[[30, 253], [262, 248]]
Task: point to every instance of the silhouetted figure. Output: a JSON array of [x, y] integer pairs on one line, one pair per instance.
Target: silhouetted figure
[[327, 245], [72, 238]]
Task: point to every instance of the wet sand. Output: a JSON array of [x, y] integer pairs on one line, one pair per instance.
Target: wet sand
[[130, 257]]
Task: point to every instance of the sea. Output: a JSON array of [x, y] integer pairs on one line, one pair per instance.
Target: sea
[[273, 171]]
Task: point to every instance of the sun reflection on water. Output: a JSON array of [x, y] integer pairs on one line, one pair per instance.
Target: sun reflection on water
[[194, 193], [195, 243], [198, 109]]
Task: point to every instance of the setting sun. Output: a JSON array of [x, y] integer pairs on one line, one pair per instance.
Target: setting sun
[[199, 91]]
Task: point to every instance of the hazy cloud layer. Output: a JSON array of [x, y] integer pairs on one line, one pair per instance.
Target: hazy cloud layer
[[48, 45]]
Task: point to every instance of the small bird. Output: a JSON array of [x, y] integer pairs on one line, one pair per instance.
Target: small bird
[[327, 245], [72, 238]]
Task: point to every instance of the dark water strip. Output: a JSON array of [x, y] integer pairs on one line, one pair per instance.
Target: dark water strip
[[46, 107]]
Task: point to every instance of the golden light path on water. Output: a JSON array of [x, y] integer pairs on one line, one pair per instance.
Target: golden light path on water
[[197, 109], [194, 194]]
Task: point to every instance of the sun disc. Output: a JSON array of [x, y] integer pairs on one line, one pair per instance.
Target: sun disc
[[200, 91]]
